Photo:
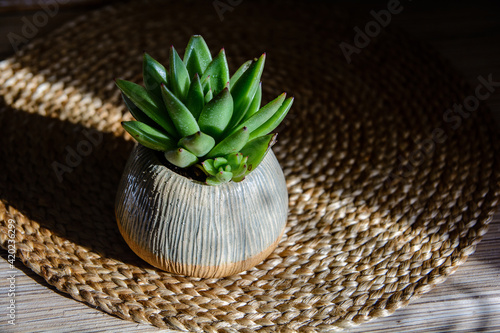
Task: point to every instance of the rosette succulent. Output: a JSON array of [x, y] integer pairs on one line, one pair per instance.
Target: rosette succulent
[[201, 117]]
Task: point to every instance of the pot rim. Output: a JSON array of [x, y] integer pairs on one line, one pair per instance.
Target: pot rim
[[155, 155]]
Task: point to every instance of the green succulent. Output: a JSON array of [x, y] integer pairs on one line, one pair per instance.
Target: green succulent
[[200, 116]]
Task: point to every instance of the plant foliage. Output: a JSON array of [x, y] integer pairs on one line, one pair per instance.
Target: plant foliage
[[200, 116]]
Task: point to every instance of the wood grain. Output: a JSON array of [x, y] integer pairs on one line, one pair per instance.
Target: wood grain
[[469, 301]]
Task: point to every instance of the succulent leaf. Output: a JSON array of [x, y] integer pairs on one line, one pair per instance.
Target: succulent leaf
[[138, 114], [255, 105], [240, 178], [208, 166], [147, 104], [274, 121], [148, 136], [193, 65], [218, 72], [212, 181], [257, 149], [233, 163], [245, 88], [154, 74], [179, 76], [205, 83], [199, 115], [209, 95], [240, 174], [216, 114], [242, 168], [224, 176], [261, 116], [239, 72], [183, 119], [199, 143], [197, 55], [181, 157], [231, 144], [195, 98], [219, 162], [234, 160]]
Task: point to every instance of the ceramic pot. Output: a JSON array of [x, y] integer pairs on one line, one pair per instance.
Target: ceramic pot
[[189, 228]]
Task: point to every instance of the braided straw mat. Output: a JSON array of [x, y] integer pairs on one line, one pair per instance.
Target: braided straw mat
[[386, 198]]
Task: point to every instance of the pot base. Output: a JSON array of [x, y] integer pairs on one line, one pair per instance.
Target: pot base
[[200, 271]]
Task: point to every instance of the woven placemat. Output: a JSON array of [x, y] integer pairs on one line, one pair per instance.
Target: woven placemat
[[387, 198]]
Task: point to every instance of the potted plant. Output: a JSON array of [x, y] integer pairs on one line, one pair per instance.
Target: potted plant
[[202, 193]]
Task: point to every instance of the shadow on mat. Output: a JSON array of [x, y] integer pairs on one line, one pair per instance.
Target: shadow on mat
[[64, 176]]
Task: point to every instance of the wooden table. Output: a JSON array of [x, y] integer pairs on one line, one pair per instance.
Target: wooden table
[[469, 301]]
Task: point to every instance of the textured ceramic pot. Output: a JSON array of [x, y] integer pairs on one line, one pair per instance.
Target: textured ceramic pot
[[185, 227]]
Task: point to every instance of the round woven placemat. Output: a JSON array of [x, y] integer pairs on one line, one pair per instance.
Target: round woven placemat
[[386, 198]]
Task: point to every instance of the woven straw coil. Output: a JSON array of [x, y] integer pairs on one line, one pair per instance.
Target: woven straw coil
[[368, 230]]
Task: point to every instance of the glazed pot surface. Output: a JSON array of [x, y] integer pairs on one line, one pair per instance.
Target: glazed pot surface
[[189, 228]]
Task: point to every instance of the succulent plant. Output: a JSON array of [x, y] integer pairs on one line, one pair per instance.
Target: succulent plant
[[200, 116]]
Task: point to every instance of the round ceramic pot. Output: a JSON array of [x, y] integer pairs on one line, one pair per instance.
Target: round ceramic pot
[[189, 228]]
